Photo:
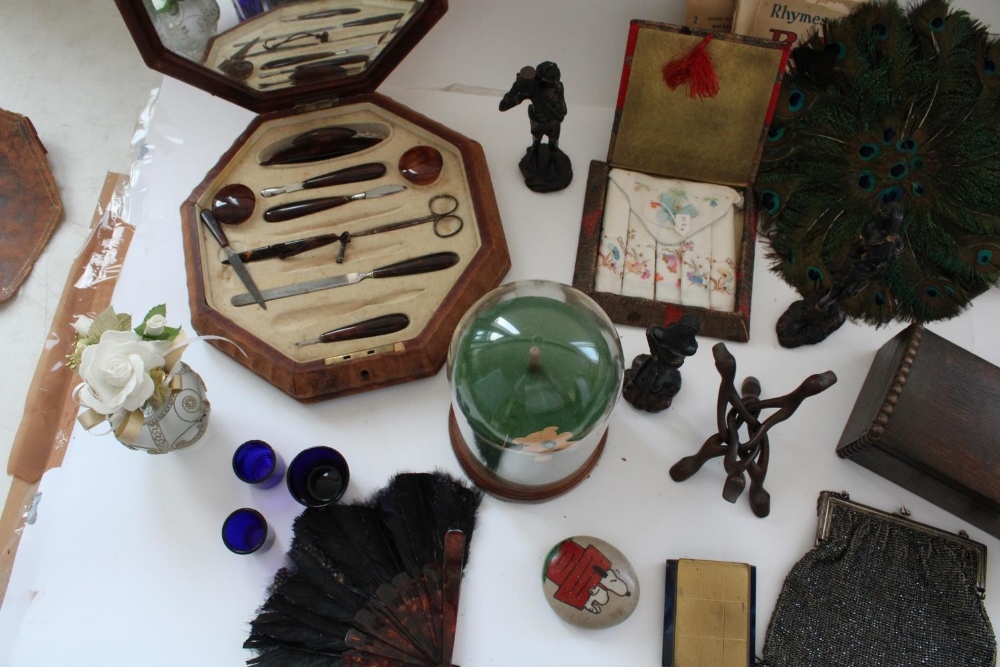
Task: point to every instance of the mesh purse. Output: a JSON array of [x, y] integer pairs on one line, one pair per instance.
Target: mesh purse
[[881, 591]]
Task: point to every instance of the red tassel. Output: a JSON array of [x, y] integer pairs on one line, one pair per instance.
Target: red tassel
[[695, 67]]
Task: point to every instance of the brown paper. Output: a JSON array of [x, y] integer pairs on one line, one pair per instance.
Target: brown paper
[[49, 410]]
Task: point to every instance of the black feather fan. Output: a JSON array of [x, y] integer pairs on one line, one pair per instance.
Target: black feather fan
[[373, 583]]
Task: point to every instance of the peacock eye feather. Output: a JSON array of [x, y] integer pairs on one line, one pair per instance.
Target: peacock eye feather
[[776, 133], [838, 49], [882, 135], [868, 152], [770, 200], [890, 194], [866, 181], [796, 100]]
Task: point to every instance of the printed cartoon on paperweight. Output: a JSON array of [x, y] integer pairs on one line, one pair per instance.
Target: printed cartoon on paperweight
[[544, 166]]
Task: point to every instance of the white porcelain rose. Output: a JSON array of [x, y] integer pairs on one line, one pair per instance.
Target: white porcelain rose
[[154, 325], [116, 372]]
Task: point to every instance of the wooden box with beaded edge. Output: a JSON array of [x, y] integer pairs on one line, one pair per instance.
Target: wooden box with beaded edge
[[927, 419]]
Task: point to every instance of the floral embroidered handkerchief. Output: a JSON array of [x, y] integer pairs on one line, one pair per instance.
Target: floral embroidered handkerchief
[[669, 240]]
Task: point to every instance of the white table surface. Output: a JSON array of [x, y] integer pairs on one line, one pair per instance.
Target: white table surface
[[124, 564]]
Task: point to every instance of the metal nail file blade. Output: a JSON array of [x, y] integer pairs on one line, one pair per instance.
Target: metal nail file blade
[[424, 264]]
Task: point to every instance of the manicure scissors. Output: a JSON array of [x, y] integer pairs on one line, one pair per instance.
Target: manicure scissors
[[442, 214]]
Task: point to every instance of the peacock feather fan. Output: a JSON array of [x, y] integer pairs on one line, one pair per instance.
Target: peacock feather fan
[[371, 584], [888, 107]]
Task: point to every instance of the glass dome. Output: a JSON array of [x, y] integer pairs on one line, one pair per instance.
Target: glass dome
[[535, 369]]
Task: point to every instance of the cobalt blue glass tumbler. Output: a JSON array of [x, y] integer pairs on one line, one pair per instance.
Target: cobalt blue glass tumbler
[[318, 476], [255, 462], [245, 531], [247, 9]]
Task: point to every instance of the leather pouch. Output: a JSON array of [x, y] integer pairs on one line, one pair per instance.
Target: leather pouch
[[30, 207]]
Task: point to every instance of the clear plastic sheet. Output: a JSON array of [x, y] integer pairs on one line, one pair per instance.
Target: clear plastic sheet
[[49, 409], [49, 412]]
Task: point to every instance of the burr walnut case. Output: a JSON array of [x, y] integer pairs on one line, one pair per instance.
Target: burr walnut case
[[424, 307]]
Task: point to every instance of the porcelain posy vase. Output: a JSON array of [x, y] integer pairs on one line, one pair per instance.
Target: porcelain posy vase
[[185, 26], [180, 421]]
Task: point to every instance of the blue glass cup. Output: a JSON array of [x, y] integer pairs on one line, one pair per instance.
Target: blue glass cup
[[247, 9], [255, 462], [318, 476], [246, 531]]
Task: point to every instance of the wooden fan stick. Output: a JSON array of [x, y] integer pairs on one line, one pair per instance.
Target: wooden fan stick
[[454, 555], [412, 619]]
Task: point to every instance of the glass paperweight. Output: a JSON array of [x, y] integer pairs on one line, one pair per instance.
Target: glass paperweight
[[535, 369]]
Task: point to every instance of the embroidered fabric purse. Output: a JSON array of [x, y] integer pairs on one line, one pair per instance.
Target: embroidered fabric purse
[[673, 240]]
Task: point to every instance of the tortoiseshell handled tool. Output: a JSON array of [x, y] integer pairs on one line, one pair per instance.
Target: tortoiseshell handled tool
[[356, 174], [377, 326], [241, 271], [289, 61], [324, 14], [320, 144], [297, 209], [437, 261], [442, 214]]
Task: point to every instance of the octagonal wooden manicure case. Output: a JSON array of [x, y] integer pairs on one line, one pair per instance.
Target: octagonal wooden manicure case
[[323, 88]]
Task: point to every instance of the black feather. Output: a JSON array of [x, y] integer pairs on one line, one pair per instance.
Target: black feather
[[370, 572]]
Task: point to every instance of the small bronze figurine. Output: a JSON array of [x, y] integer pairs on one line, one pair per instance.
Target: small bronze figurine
[[820, 313], [545, 168], [749, 457], [654, 379]]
